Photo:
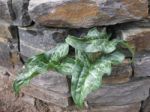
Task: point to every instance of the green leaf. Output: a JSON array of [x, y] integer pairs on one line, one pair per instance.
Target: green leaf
[[65, 67], [95, 34], [27, 74], [87, 78], [92, 45], [75, 76], [59, 52], [115, 58], [39, 64]]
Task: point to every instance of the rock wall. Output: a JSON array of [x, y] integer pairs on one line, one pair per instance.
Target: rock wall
[[29, 27]]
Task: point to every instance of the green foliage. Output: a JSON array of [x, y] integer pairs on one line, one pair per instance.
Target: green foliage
[[94, 56]]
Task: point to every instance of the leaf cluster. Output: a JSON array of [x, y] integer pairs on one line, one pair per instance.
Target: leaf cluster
[[94, 56]]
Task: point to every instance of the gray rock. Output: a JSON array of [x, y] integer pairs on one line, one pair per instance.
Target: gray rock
[[86, 13], [4, 11], [146, 105], [15, 12], [120, 74], [9, 44], [5, 33], [19, 12], [5, 59], [135, 107], [142, 64], [51, 81], [59, 99], [123, 94], [51, 87], [35, 40], [137, 36]]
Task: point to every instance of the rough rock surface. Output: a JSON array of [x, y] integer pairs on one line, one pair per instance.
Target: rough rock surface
[[125, 108], [25, 103], [35, 40], [51, 81], [136, 36], [86, 13], [146, 105], [59, 99], [8, 45], [51, 87], [4, 31], [120, 74], [4, 11], [19, 12], [142, 65], [121, 94], [5, 59]]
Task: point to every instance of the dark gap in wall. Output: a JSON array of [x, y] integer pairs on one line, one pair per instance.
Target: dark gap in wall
[[145, 105], [132, 66], [11, 11], [15, 42], [149, 6]]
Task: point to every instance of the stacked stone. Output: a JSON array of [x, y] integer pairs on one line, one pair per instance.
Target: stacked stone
[[29, 27]]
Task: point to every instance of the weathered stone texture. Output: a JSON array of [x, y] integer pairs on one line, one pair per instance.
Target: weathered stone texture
[[4, 11], [51, 81], [5, 35], [5, 60], [45, 107], [51, 88], [86, 13], [8, 45], [19, 9], [35, 40], [47, 96], [136, 36], [4, 31], [120, 74], [124, 108], [142, 65], [146, 105], [122, 94]]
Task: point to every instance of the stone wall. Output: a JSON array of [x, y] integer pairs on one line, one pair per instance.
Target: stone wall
[[29, 27]]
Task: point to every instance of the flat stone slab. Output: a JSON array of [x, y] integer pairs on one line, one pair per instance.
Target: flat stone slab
[[120, 74], [135, 107], [86, 13], [51, 87], [52, 81], [121, 94], [58, 99], [142, 64], [34, 40], [136, 36]]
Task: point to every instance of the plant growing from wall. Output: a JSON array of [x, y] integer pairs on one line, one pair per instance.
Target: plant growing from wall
[[94, 56]]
